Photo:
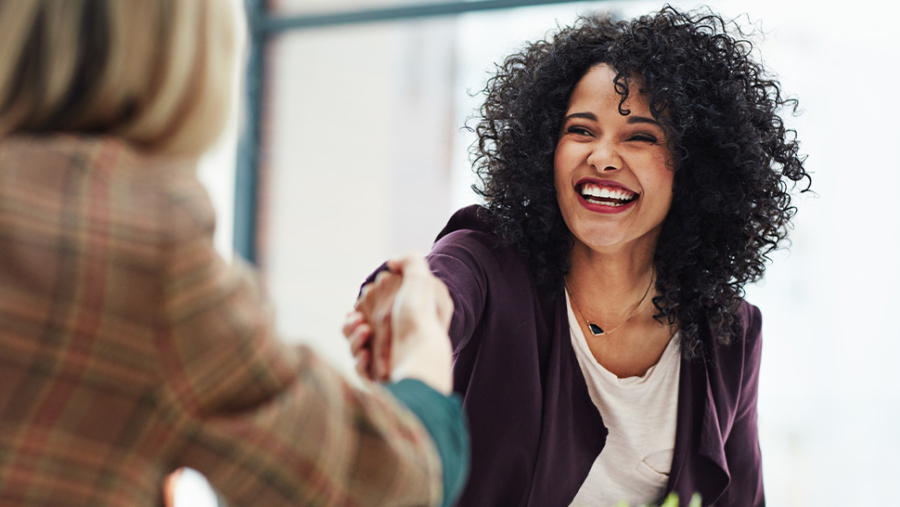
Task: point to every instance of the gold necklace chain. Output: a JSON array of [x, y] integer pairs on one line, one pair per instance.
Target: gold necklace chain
[[595, 329]]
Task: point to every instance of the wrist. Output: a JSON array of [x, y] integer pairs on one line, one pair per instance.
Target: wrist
[[428, 358]]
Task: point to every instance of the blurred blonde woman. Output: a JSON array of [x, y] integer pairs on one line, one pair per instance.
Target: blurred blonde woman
[[129, 348]]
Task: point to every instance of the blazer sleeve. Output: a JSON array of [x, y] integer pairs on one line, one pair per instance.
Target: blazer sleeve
[[742, 446], [268, 424], [459, 260]]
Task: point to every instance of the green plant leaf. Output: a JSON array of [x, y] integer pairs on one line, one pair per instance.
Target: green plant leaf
[[670, 501]]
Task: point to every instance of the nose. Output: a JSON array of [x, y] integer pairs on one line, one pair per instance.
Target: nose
[[605, 156]]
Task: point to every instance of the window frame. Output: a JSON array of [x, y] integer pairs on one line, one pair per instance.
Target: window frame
[[262, 26]]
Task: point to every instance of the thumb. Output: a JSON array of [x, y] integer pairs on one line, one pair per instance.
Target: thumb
[[409, 264]]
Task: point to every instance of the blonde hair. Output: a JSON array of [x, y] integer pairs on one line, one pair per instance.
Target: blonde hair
[[157, 73]]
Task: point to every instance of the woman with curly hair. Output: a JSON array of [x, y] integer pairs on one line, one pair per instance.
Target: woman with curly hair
[[636, 175]]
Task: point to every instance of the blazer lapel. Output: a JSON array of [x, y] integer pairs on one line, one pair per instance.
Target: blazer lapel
[[699, 464], [712, 447]]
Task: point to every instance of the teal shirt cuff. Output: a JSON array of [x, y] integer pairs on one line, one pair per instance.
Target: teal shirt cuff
[[445, 420]]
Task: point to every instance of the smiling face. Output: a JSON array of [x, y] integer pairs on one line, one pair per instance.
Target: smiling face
[[613, 181]]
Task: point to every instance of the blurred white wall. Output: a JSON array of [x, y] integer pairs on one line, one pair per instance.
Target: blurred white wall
[[358, 165]]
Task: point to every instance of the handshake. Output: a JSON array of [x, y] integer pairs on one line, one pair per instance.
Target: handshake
[[398, 326]]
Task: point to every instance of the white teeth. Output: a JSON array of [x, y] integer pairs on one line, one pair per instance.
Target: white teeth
[[606, 193]]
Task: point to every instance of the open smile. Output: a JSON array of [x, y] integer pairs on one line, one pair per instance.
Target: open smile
[[604, 194]]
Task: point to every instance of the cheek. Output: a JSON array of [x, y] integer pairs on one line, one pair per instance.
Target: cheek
[[664, 189], [660, 177], [658, 182], [567, 157], [666, 181]]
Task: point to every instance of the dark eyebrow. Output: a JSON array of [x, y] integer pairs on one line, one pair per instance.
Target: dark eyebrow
[[587, 116], [631, 119], [643, 119]]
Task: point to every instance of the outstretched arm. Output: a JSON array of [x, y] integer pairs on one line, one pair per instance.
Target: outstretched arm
[[269, 424]]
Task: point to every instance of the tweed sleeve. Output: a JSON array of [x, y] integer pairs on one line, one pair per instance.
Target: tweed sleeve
[[268, 424]]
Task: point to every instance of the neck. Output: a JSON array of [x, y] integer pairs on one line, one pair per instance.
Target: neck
[[608, 284]]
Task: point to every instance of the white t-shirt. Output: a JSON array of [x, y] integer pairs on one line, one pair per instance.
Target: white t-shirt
[[641, 415]]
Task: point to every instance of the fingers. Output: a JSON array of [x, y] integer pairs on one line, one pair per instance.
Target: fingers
[[430, 291], [371, 328], [359, 338], [353, 319], [386, 284], [358, 333], [370, 293], [363, 365], [381, 359], [373, 309], [421, 318]]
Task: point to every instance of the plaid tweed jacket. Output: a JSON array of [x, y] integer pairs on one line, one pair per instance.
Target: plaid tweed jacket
[[129, 348]]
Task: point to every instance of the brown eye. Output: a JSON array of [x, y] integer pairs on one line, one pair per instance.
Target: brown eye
[[581, 131], [644, 138]]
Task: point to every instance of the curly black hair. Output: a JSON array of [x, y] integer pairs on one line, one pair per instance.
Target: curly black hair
[[731, 153]]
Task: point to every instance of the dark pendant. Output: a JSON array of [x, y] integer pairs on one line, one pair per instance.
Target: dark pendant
[[595, 329]]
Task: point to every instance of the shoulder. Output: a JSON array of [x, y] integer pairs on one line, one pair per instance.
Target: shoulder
[[468, 226], [470, 238], [734, 362], [159, 197], [474, 218], [168, 193], [470, 233], [751, 322], [751, 340], [102, 185]]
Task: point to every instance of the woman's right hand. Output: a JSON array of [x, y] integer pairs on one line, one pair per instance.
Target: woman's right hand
[[399, 326]]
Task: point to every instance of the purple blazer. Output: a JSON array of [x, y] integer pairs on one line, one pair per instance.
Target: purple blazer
[[534, 430]]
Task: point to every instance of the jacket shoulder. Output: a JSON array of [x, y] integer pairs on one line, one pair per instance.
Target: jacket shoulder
[[474, 218], [471, 238]]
